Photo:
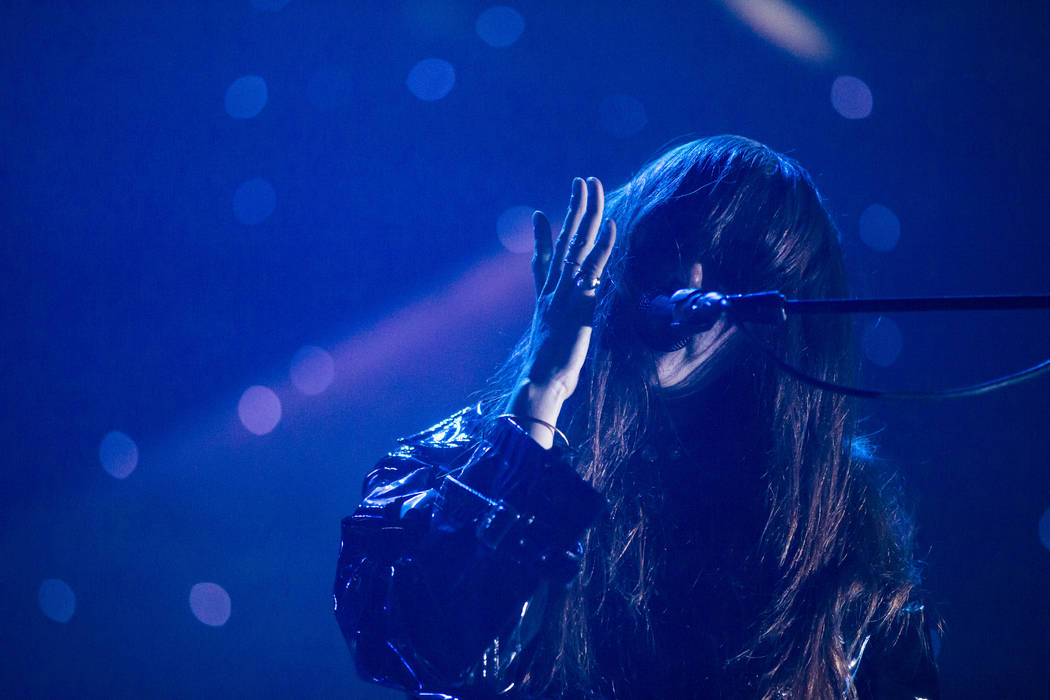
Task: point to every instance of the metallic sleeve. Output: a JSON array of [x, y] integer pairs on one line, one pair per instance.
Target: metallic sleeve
[[447, 567]]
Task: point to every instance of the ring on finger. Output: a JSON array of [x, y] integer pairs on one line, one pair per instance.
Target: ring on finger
[[570, 262], [586, 282]]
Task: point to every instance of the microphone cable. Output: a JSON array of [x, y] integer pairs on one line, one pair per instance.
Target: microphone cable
[[929, 395]]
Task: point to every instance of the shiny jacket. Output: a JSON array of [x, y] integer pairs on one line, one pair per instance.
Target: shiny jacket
[[448, 566]]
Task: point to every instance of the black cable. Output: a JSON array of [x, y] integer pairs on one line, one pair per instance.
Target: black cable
[[934, 394]]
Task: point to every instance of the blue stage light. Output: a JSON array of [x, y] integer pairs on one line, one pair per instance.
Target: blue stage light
[[851, 97], [57, 600], [514, 229], [879, 228], [1044, 529], [254, 201], [118, 454], [210, 604], [431, 79], [246, 96], [500, 26], [783, 24], [259, 410], [313, 370]]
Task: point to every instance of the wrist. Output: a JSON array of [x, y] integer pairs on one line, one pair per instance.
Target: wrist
[[542, 404], [526, 424]]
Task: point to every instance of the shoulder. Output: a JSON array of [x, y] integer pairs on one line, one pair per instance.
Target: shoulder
[[436, 450], [458, 431]]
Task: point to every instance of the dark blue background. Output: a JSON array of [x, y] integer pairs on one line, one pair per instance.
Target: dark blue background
[[135, 300]]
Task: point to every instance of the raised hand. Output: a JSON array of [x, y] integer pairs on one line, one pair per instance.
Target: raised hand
[[567, 273]]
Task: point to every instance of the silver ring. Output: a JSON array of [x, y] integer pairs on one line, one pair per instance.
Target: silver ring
[[587, 282]]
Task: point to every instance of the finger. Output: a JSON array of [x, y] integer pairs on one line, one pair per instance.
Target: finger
[[542, 250], [594, 264], [577, 205], [583, 240]]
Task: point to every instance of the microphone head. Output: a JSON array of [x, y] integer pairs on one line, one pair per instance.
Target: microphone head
[[657, 327]]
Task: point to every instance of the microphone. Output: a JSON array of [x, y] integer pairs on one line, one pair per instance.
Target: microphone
[[667, 321]]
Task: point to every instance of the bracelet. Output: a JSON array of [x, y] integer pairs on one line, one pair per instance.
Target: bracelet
[[529, 419]]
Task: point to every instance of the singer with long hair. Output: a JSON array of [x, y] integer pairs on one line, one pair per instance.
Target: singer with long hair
[[627, 514]]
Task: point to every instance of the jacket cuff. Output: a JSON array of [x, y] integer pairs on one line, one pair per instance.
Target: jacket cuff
[[518, 497]]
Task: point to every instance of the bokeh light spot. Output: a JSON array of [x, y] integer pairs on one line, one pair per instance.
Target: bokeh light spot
[[259, 409], [880, 229], [118, 454], [246, 97], [622, 115], [783, 24], [312, 370], [210, 604], [431, 79], [1044, 528], [514, 228], [500, 26], [882, 342], [269, 5], [851, 97], [330, 88], [57, 600], [254, 201]]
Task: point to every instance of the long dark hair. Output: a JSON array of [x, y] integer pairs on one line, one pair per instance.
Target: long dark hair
[[835, 538]]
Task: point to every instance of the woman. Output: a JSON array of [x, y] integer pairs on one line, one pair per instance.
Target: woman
[[708, 528]]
